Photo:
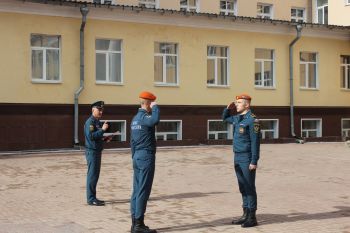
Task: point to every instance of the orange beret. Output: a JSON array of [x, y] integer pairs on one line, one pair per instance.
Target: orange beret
[[147, 95], [243, 96]]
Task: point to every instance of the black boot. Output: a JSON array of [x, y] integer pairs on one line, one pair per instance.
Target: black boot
[[241, 219], [132, 223], [251, 219], [140, 227]]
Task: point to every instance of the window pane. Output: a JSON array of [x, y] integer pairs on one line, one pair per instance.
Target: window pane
[[171, 137], [348, 77], [211, 51], [108, 45], [211, 71], [171, 69], [192, 2], [37, 64], [158, 69], [312, 134], [322, 2], [258, 70], [217, 126], [309, 57], [293, 12], [51, 41], [342, 77], [300, 13], [269, 135], [222, 71], [326, 15], [115, 126], [165, 48], [36, 40], [303, 75], [309, 124], [320, 15], [268, 75], [260, 9], [100, 67], [52, 64], [312, 75], [183, 2], [167, 127], [267, 9], [222, 51], [211, 136], [345, 59], [346, 124], [267, 124], [115, 67], [263, 54], [230, 5], [222, 136]]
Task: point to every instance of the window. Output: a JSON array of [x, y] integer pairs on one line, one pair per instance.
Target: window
[[269, 128], [165, 63], [108, 61], [169, 130], [189, 5], [308, 70], [46, 58], [219, 130], [345, 127], [148, 3], [104, 1], [311, 128], [228, 7], [347, 2], [298, 15], [117, 126], [264, 11], [345, 72], [264, 68], [322, 11], [217, 66]]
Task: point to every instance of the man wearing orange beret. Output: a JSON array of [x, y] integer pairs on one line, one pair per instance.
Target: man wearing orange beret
[[246, 147], [143, 149]]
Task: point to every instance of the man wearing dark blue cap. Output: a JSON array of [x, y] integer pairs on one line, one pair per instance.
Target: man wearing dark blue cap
[[93, 130]]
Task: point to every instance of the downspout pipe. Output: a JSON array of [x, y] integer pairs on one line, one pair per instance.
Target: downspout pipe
[[291, 83], [84, 10]]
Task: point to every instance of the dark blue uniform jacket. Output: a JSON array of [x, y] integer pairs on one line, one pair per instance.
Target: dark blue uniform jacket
[[93, 134], [246, 133], [143, 130]]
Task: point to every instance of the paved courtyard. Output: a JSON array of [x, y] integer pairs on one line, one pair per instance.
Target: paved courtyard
[[301, 188]]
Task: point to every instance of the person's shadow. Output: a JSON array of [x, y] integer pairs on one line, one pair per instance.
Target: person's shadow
[[166, 197], [266, 219]]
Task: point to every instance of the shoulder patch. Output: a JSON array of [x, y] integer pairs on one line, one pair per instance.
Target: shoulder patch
[[256, 126], [91, 128], [253, 115]]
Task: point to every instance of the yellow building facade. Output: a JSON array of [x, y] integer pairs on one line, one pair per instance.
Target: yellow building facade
[[195, 63]]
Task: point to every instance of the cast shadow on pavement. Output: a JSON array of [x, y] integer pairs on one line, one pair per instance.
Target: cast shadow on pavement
[[265, 219], [166, 197]]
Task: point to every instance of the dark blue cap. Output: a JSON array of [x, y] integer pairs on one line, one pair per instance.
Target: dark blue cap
[[98, 104]]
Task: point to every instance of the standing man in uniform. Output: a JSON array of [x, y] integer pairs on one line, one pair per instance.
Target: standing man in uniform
[[143, 149], [246, 147], [93, 130]]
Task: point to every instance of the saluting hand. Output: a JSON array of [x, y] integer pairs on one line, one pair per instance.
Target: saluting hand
[[231, 105], [153, 103], [105, 126]]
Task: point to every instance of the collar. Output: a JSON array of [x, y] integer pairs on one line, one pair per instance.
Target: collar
[[247, 115]]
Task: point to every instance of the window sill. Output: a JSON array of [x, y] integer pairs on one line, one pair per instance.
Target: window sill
[[265, 88], [166, 85], [344, 89], [218, 86], [308, 89], [46, 82], [109, 83]]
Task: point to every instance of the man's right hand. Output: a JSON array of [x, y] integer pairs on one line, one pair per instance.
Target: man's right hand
[[105, 126], [231, 105], [153, 103]]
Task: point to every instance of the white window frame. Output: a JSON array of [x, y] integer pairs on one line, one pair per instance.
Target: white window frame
[[347, 68], [347, 2], [262, 61], [275, 130], [164, 134], [106, 53], [103, 1], [347, 130], [320, 7], [123, 133], [229, 130], [297, 18], [164, 57], [215, 58], [318, 131], [228, 11], [149, 4], [306, 63], [44, 49], [190, 8], [265, 15]]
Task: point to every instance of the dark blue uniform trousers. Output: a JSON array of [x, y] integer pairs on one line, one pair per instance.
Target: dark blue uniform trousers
[[144, 166], [93, 159], [246, 180]]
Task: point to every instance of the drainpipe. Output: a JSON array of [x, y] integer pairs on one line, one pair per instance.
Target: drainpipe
[[84, 11], [291, 96]]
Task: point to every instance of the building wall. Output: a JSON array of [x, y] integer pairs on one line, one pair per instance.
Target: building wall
[[138, 63], [339, 13]]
